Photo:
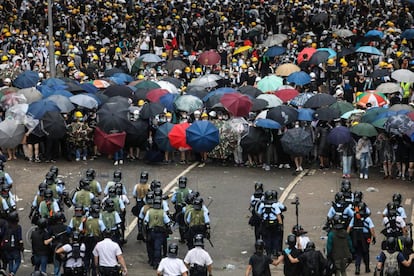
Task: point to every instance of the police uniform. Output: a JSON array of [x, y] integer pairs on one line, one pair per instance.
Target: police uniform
[[394, 226], [107, 252], [95, 187], [360, 227], [255, 219], [139, 193], [73, 266], [400, 212], [269, 212], [83, 197], [112, 183], [172, 267], [48, 208], [198, 257], [93, 228], [344, 210], [112, 221], [197, 221], [178, 199]]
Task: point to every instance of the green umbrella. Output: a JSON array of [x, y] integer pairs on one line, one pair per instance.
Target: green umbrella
[[342, 106], [380, 123], [270, 83], [188, 103], [364, 129], [372, 113], [147, 84]]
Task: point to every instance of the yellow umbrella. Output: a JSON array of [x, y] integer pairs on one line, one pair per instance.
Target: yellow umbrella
[[286, 69], [242, 49]]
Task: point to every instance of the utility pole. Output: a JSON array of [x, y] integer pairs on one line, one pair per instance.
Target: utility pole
[[52, 65]]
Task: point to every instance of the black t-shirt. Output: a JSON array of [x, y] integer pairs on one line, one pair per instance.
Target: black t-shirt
[[38, 237], [260, 265], [292, 269]]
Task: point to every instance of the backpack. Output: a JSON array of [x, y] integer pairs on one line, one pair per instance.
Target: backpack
[[76, 251], [312, 263], [10, 240], [391, 266]]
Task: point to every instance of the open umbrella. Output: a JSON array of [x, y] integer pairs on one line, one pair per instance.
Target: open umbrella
[[326, 114], [177, 136], [168, 101], [219, 92], [348, 114], [286, 69], [254, 141], [319, 57], [301, 99], [161, 137], [398, 124], [388, 88], [150, 110], [369, 50], [84, 100], [108, 143], [309, 51], [258, 104], [297, 142], [11, 134], [364, 129], [210, 57], [319, 100], [26, 79], [175, 64], [53, 125], [401, 107], [89, 88], [150, 58], [274, 39], [202, 136], [374, 33], [305, 114], [275, 51], [62, 102], [208, 80], [380, 73], [112, 71], [339, 135], [237, 104], [250, 91], [168, 86], [299, 78], [375, 99], [188, 103], [118, 90], [269, 83], [12, 99], [176, 82], [380, 123], [403, 75], [271, 99], [147, 84], [154, 95], [31, 94], [344, 33], [113, 116], [137, 134], [39, 108], [242, 49], [198, 91], [286, 94], [17, 112], [53, 82], [101, 84], [267, 123], [283, 114], [320, 17], [372, 113], [342, 107]]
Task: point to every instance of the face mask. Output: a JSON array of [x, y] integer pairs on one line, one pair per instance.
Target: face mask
[[169, 120]]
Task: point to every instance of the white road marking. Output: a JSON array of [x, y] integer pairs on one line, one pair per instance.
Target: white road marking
[[412, 215], [292, 196], [292, 185], [408, 201], [166, 189]]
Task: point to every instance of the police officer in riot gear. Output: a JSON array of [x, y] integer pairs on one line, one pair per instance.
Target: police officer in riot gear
[[347, 191], [255, 200], [197, 260], [339, 207], [74, 251], [178, 199], [139, 193], [112, 220], [198, 222], [94, 185], [84, 196]]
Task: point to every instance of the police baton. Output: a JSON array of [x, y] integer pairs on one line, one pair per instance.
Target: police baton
[[209, 240], [209, 203], [296, 203]]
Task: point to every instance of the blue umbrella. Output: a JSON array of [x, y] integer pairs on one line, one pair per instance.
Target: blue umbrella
[[161, 137], [267, 123], [39, 108], [339, 135], [331, 52], [168, 101], [89, 87], [408, 34], [369, 50], [26, 79], [219, 91], [53, 82], [62, 92], [301, 99], [375, 33], [305, 114], [299, 78], [202, 136], [275, 51], [124, 77], [49, 90]]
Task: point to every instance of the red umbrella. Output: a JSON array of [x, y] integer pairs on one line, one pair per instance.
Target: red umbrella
[[178, 138], [210, 57], [109, 143], [309, 51], [154, 95], [237, 104], [286, 94]]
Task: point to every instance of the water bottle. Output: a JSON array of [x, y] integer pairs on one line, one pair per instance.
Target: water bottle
[[12, 241]]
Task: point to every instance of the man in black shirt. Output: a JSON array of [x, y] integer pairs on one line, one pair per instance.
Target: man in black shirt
[[41, 245], [258, 262], [291, 269]]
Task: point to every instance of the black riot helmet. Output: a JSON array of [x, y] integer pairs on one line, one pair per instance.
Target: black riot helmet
[[258, 186], [158, 192], [358, 195], [112, 191], [391, 244], [55, 170], [109, 205], [78, 210], [198, 240], [13, 216], [76, 236], [291, 240], [155, 184], [50, 178], [84, 183], [90, 174], [48, 194], [182, 182], [361, 207], [339, 197], [60, 217], [310, 246], [107, 233], [198, 203], [143, 178], [157, 202], [274, 194], [119, 188], [42, 223], [117, 175], [172, 250], [42, 188], [397, 199], [338, 222], [346, 186], [298, 230], [95, 209], [259, 245], [96, 200], [392, 209], [268, 195]]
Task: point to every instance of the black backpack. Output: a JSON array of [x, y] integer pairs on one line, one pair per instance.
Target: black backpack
[[10, 240], [76, 251]]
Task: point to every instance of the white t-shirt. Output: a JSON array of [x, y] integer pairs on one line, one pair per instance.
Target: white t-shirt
[[107, 251], [399, 221], [171, 267], [199, 256]]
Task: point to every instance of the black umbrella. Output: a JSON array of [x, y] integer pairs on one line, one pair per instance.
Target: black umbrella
[[118, 90], [213, 100], [137, 134], [53, 125], [177, 83], [283, 114], [113, 71], [320, 17], [113, 116], [319, 100], [174, 64], [150, 110], [254, 141], [297, 141], [258, 104], [198, 91], [379, 73], [141, 94], [73, 87], [319, 57], [326, 114], [346, 51], [250, 91]]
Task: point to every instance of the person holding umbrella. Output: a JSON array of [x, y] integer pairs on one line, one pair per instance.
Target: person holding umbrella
[[363, 154]]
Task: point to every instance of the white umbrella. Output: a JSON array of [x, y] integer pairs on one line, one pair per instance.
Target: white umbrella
[[388, 88], [150, 58], [168, 86], [403, 75], [208, 80], [271, 99], [274, 40]]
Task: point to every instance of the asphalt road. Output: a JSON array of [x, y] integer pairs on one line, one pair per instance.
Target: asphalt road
[[229, 190]]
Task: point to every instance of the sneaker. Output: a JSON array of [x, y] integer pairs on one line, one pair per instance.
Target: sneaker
[[77, 159], [366, 176], [116, 163], [281, 166], [286, 166], [263, 166], [121, 162], [84, 158], [301, 169], [361, 175], [267, 168], [182, 162]]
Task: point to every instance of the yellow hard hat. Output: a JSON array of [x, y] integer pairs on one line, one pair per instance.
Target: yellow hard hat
[[244, 66], [57, 53], [4, 58], [164, 54], [8, 34], [71, 64], [198, 70], [102, 50], [254, 59], [344, 64], [234, 60], [330, 61], [118, 50], [187, 69], [404, 41], [176, 52], [78, 114], [399, 53], [12, 51], [141, 102], [253, 24], [57, 44], [141, 77], [159, 27], [95, 57], [71, 46], [204, 115], [177, 17], [68, 35], [314, 45], [168, 114], [72, 55]]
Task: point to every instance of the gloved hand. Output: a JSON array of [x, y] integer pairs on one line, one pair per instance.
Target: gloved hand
[[287, 251], [374, 240]]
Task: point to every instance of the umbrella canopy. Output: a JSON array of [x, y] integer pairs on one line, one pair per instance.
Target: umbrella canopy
[[339, 135], [319, 57], [53, 82], [250, 91], [175, 64], [31, 94], [84, 100], [26, 79], [219, 92], [398, 124], [118, 90], [137, 134], [348, 114], [342, 107], [168, 101], [53, 125], [113, 71], [150, 58], [408, 34], [364, 129], [380, 123], [380, 73], [150, 110], [242, 49], [332, 53], [176, 82], [258, 104], [269, 83], [286, 94], [254, 141], [320, 17], [11, 134], [208, 80], [210, 57], [168, 86], [401, 107], [297, 142], [301, 99], [344, 33], [369, 50], [237, 104], [62, 102], [108, 143], [326, 114], [274, 39], [374, 33], [198, 91], [375, 99], [17, 112], [283, 114], [154, 95], [319, 100], [12, 99], [403, 75], [113, 116], [286, 69], [372, 113], [188, 103], [101, 84], [39, 108], [147, 84], [267, 123], [73, 87], [305, 114], [177, 136], [275, 51], [161, 137], [388, 88], [299, 78], [202, 136], [122, 78], [89, 87], [308, 51], [271, 99]]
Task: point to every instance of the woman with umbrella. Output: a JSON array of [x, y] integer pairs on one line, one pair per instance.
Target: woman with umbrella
[[322, 131], [348, 151]]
